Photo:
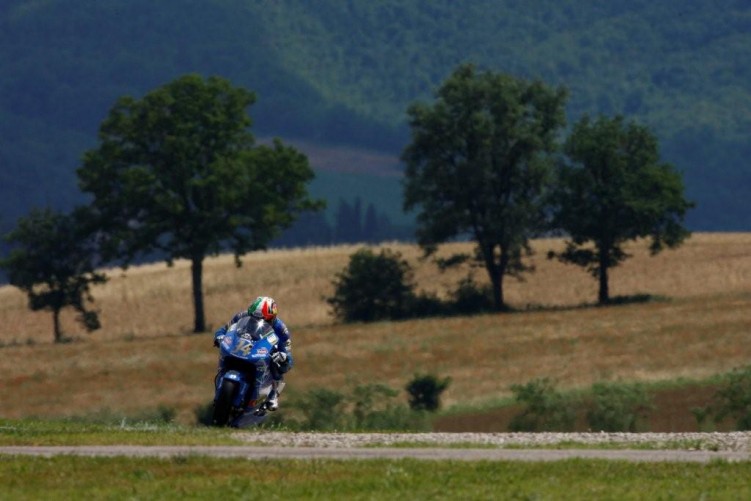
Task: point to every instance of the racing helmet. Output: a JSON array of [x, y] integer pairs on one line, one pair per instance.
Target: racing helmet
[[263, 307]]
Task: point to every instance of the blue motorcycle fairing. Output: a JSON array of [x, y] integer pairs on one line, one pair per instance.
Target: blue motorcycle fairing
[[245, 354]]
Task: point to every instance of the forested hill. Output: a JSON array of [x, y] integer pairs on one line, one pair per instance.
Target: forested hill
[[336, 72]]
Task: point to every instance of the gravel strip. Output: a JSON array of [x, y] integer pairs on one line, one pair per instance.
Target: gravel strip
[[734, 441]]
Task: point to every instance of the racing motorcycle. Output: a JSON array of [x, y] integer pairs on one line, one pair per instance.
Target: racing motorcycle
[[244, 380]]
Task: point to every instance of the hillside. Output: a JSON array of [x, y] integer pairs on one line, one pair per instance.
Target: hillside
[[145, 356], [340, 75]]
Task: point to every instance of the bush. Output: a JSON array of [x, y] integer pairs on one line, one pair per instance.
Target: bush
[[469, 298], [425, 392], [367, 407], [374, 410], [323, 409], [733, 398], [546, 408], [373, 287], [617, 407]]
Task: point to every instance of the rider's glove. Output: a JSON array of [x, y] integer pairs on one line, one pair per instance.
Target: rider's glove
[[217, 340], [279, 358]]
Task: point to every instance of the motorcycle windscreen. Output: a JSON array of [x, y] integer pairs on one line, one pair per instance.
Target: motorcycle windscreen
[[253, 328]]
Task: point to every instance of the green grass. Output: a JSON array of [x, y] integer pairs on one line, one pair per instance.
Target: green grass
[[138, 433], [196, 477]]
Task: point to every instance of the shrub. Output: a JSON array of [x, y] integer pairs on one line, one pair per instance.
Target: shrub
[[617, 407], [425, 392], [427, 305], [374, 410], [373, 287], [323, 409], [733, 398], [546, 408], [469, 297], [367, 407]]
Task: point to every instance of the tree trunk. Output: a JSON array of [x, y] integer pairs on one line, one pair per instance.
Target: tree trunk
[[497, 280], [603, 296], [502, 267], [196, 269], [497, 272], [56, 324]]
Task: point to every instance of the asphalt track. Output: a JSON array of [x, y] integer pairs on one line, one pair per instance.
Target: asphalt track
[[425, 453]]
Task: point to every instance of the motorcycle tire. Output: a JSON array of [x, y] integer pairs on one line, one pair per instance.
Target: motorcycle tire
[[223, 404]]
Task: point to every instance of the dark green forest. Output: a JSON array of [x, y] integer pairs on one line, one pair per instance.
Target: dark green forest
[[336, 72]]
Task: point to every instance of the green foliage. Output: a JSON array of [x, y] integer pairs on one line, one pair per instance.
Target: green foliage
[[366, 407], [379, 287], [323, 409], [425, 392], [612, 188], [478, 165], [733, 398], [373, 408], [64, 63], [546, 409], [54, 263], [177, 172], [373, 287], [469, 297], [617, 407]]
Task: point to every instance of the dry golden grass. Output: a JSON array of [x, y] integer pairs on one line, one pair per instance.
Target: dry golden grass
[[142, 359], [155, 300]]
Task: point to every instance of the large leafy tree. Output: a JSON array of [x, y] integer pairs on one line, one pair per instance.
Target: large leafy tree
[[613, 188], [178, 173], [478, 164], [54, 262]]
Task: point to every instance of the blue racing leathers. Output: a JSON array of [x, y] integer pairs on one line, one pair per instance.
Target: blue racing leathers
[[284, 345]]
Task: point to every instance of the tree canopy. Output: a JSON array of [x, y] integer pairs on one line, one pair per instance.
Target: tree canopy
[[178, 173], [478, 165], [613, 188]]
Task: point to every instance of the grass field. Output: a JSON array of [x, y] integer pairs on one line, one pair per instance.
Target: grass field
[[144, 357], [194, 477]]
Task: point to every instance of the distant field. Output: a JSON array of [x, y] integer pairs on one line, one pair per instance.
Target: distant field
[[155, 300], [143, 358]]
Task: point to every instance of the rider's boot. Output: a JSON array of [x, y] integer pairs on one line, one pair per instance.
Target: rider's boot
[[272, 402]]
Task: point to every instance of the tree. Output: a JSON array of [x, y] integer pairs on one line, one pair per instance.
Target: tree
[[613, 188], [373, 287], [425, 392], [477, 166], [177, 172], [54, 263]]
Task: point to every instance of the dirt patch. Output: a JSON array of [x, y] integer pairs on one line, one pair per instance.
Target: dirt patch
[[672, 413]]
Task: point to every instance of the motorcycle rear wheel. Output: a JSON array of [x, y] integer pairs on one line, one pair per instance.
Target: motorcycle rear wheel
[[223, 404]]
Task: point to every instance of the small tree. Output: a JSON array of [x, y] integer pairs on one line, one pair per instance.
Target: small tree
[[373, 287], [54, 264], [425, 392], [612, 189]]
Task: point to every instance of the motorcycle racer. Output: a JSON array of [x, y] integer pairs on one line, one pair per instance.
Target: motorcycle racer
[[265, 308]]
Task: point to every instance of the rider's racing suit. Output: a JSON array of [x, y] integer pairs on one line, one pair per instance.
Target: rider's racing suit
[[284, 346]]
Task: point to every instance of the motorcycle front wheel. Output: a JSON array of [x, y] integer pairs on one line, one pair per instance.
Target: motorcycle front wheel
[[223, 403]]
